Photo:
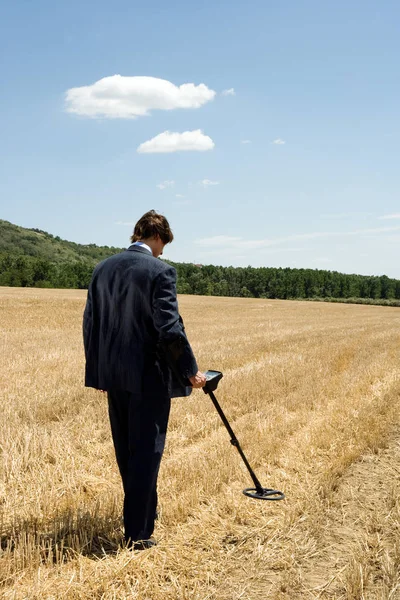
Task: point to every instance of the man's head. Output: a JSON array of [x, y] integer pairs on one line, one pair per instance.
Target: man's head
[[153, 229]]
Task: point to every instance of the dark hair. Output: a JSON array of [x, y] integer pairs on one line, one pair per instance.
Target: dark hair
[[152, 225]]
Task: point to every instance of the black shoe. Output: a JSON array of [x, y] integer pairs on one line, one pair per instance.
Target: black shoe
[[142, 544]]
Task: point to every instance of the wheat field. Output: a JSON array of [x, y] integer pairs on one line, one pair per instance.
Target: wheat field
[[312, 392]]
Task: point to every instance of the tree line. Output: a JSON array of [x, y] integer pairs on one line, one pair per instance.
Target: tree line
[[29, 271], [210, 280], [284, 283]]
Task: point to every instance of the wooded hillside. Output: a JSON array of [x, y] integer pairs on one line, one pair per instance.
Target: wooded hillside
[[35, 258]]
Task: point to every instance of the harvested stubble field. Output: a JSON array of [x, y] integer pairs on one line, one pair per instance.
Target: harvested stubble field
[[312, 392]]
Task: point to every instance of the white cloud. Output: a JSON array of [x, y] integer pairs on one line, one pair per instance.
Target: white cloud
[[394, 216], [218, 240], [245, 142], [231, 247], [279, 142], [223, 240], [179, 196], [345, 215], [230, 92], [120, 97], [165, 184], [207, 182], [125, 223], [181, 202], [170, 141], [322, 261]]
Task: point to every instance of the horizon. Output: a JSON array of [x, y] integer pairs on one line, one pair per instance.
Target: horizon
[[38, 229]]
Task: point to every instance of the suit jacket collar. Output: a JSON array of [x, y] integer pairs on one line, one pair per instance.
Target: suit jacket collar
[[136, 248]]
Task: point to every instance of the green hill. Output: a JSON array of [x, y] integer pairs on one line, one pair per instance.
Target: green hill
[[19, 241], [35, 258]]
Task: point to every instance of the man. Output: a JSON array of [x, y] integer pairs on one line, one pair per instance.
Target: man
[[137, 351]]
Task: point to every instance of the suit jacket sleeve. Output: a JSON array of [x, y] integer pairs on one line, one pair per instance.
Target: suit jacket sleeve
[[87, 319], [169, 325]]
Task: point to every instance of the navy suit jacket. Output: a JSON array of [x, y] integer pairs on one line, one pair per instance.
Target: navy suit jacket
[[133, 334]]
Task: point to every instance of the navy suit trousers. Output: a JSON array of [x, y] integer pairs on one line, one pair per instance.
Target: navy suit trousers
[[139, 426]]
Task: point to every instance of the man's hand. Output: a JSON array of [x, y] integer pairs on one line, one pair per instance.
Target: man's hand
[[199, 380]]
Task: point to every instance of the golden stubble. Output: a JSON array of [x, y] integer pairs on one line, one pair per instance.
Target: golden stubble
[[312, 393]]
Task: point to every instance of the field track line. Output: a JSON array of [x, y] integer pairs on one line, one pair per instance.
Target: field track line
[[360, 531]]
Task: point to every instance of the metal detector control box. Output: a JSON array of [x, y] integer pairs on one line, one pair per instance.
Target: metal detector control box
[[213, 378]]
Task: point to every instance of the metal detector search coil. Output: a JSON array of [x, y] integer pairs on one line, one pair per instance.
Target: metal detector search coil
[[260, 493]]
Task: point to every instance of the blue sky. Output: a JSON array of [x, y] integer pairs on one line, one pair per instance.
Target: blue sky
[[311, 87]]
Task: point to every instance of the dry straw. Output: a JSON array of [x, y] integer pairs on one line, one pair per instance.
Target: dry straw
[[312, 393]]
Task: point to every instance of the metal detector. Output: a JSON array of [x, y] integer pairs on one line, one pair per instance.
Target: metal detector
[[260, 493]]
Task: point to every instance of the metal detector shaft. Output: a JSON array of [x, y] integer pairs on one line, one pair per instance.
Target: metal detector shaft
[[235, 442], [259, 493]]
